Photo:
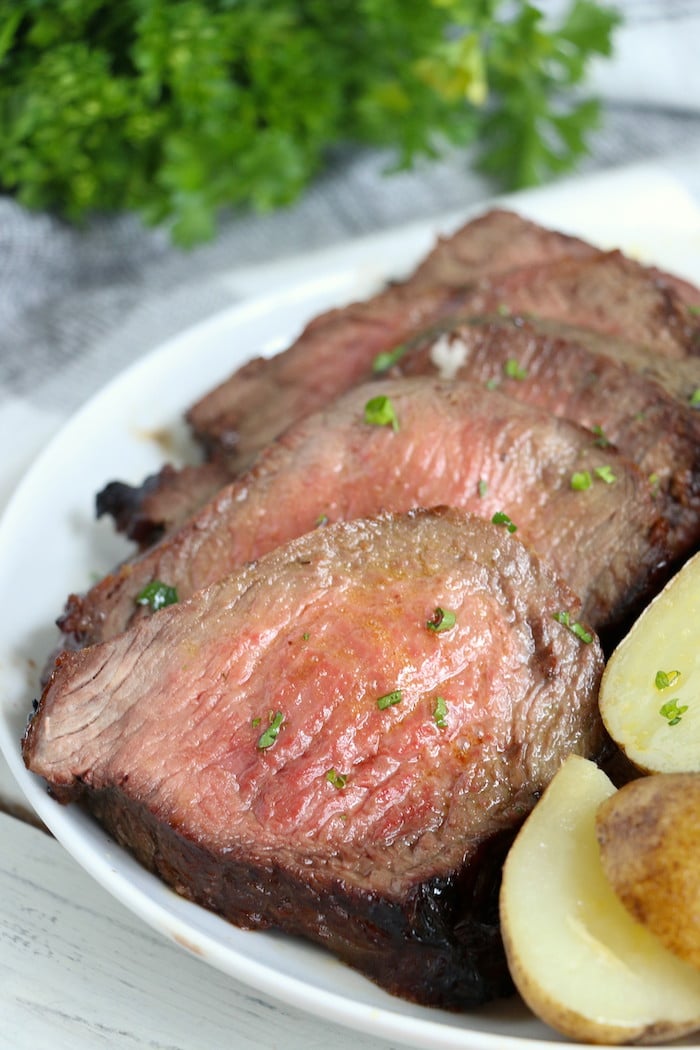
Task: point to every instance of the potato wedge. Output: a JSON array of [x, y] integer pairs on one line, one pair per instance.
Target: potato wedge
[[649, 838], [577, 957], [650, 691]]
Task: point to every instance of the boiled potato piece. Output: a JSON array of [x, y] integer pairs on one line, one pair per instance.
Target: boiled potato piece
[[649, 838], [577, 957], [650, 691]]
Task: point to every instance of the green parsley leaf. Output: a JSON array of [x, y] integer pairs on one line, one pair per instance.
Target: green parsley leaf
[[268, 738], [672, 712], [336, 779], [322, 519], [482, 487], [157, 595], [574, 626], [503, 310], [388, 358], [694, 310], [440, 712], [665, 679], [602, 441], [380, 412], [606, 474], [183, 111], [389, 699], [514, 370], [694, 399], [441, 620], [581, 480], [501, 518], [492, 384]]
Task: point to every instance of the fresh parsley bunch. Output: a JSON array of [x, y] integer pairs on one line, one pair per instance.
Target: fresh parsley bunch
[[178, 108]]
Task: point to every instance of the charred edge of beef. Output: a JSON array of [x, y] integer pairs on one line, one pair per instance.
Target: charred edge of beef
[[439, 947], [165, 501], [393, 868]]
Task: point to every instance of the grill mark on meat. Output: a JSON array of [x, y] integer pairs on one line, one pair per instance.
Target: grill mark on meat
[[167, 757], [608, 542]]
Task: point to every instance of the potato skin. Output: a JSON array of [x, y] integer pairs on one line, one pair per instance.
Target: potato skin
[[649, 838]]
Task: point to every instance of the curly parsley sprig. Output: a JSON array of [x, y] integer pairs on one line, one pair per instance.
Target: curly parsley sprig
[[179, 110]]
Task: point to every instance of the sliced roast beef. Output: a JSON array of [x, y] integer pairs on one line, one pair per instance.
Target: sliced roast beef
[[163, 502], [455, 444], [571, 281], [623, 403], [336, 350], [607, 293], [498, 262], [333, 741]]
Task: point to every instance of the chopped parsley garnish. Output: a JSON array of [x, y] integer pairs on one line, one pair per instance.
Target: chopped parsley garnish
[[482, 488], [384, 361], [380, 412], [440, 712], [503, 310], [514, 370], [654, 482], [306, 636], [441, 620], [268, 738], [665, 679], [694, 399], [574, 626], [493, 384], [501, 518], [672, 712], [389, 699], [606, 474], [336, 779], [157, 595], [694, 310], [600, 440], [322, 519], [581, 480], [255, 722]]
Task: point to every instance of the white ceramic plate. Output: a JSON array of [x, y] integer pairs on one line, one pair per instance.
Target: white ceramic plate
[[50, 545]]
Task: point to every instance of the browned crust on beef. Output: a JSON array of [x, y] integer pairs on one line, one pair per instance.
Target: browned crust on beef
[[441, 946], [617, 389], [163, 502], [412, 905], [499, 260], [609, 542]]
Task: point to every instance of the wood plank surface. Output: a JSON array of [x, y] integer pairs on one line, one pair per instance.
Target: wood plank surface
[[80, 972]]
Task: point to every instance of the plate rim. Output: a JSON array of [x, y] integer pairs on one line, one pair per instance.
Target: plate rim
[[380, 1021]]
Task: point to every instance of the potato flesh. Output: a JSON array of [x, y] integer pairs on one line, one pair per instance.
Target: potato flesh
[[577, 957], [666, 637]]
